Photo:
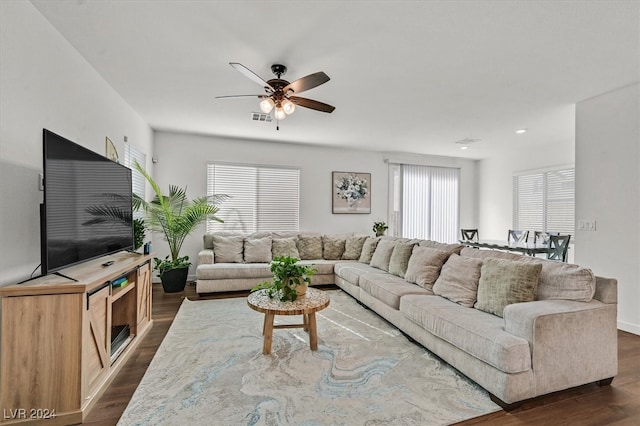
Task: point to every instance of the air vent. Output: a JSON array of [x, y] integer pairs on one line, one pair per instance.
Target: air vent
[[259, 116], [467, 141]]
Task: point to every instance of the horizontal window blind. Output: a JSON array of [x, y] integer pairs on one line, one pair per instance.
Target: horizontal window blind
[[131, 155], [545, 201], [261, 198]]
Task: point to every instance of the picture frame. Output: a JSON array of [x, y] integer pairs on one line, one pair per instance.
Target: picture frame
[[350, 193], [110, 150]]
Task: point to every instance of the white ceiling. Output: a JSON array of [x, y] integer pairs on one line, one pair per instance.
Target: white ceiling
[[413, 76]]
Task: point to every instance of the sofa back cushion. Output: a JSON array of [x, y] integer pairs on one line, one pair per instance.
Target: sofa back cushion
[[382, 256], [458, 280], [284, 247], [558, 280], [368, 248], [333, 246], [257, 250], [449, 248], [353, 247], [503, 282], [400, 258], [310, 246], [228, 249], [424, 266]]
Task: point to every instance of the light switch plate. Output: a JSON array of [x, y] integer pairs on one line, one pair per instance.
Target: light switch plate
[[586, 225]]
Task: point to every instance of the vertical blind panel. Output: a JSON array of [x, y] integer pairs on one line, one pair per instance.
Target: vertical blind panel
[[444, 204], [430, 202], [260, 198], [131, 155], [415, 205]]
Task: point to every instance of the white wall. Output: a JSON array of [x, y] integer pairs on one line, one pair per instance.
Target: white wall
[[495, 175], [45, 83], [182, 160], [608, 191]]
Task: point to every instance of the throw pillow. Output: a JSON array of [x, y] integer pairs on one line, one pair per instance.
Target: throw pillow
[[227, 249], [333, 247], [382, 256], [458, 280], [368, 248], [353, 248], [310, 246], [257, 250], [424, 266], [284, 247], [503, 282], [400, 259]]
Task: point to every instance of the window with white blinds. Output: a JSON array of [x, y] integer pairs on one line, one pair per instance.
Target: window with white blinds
[[430, 202], [545, 201], [138, 184], [261, 198]]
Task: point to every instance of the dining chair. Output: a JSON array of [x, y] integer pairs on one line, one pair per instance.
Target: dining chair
[[558, 247], [469, 234], [515, 236], [542, 237]]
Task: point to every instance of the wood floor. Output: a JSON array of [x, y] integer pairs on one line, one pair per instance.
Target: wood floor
[[618, 404]]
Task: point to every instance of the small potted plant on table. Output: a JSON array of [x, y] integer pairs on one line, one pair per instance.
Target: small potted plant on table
[[379, 228], [290, 279]]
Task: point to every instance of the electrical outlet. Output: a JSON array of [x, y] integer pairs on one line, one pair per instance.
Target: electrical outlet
[[40, 182], [586, 225]]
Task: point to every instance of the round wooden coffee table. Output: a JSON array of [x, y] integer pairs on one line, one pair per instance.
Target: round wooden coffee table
[[313, 301]]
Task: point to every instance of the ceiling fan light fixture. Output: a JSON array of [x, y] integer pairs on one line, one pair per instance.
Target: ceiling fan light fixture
[[280, 114], [288, 107], [267, 105]]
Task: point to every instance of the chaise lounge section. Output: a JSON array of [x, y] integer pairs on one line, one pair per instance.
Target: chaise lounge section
[[518, 326]]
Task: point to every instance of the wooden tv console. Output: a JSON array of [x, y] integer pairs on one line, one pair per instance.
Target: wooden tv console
[[56, 337]]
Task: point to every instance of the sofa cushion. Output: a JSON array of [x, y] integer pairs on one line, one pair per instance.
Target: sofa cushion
[[558, 280], [382, 256], [353, 247], [352, 271], [368, 248], [458, 280], [257, 250], [220, 271], [333, 247], [449, 248], [322, 267], [400, 259], [228, 249], [479, 334], [424, 266], [310, 246], [389, 288], [284, 247], [503, 282]]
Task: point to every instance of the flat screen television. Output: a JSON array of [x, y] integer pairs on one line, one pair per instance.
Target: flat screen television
[[87, 209]]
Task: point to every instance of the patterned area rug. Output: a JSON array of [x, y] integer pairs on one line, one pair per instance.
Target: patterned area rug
[[210, 370]]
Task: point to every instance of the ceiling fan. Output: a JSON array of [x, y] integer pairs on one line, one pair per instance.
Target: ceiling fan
[[280, 95]]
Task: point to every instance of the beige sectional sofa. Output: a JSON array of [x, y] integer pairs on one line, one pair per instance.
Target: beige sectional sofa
[[518, 326]]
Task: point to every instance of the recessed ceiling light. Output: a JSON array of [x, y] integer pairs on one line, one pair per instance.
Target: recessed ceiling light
[[464, 147], [521, 131]]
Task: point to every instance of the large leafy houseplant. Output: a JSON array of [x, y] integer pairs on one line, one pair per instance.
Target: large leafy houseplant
[[288, 275], [175, 217]]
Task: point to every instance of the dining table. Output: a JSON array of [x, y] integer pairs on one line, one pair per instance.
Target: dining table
[[528, 248]]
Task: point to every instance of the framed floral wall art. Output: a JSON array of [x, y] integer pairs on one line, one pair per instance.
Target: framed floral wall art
[[351, 192]]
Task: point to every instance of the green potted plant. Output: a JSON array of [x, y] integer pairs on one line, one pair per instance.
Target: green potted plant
[[290, 279], [139, 232], [379, 228], [175, 217]]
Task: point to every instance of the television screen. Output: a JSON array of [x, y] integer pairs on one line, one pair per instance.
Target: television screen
[[87, 211]]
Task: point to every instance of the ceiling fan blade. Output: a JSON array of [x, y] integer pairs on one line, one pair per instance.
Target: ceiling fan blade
[[310, 103], [241, 96], [250, 74], [306, 83]]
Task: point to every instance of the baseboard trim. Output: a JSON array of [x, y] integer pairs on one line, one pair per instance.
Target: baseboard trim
[[629, 328]]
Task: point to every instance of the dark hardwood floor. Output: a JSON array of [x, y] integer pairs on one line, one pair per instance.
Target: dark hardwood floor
[[617, 404]]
